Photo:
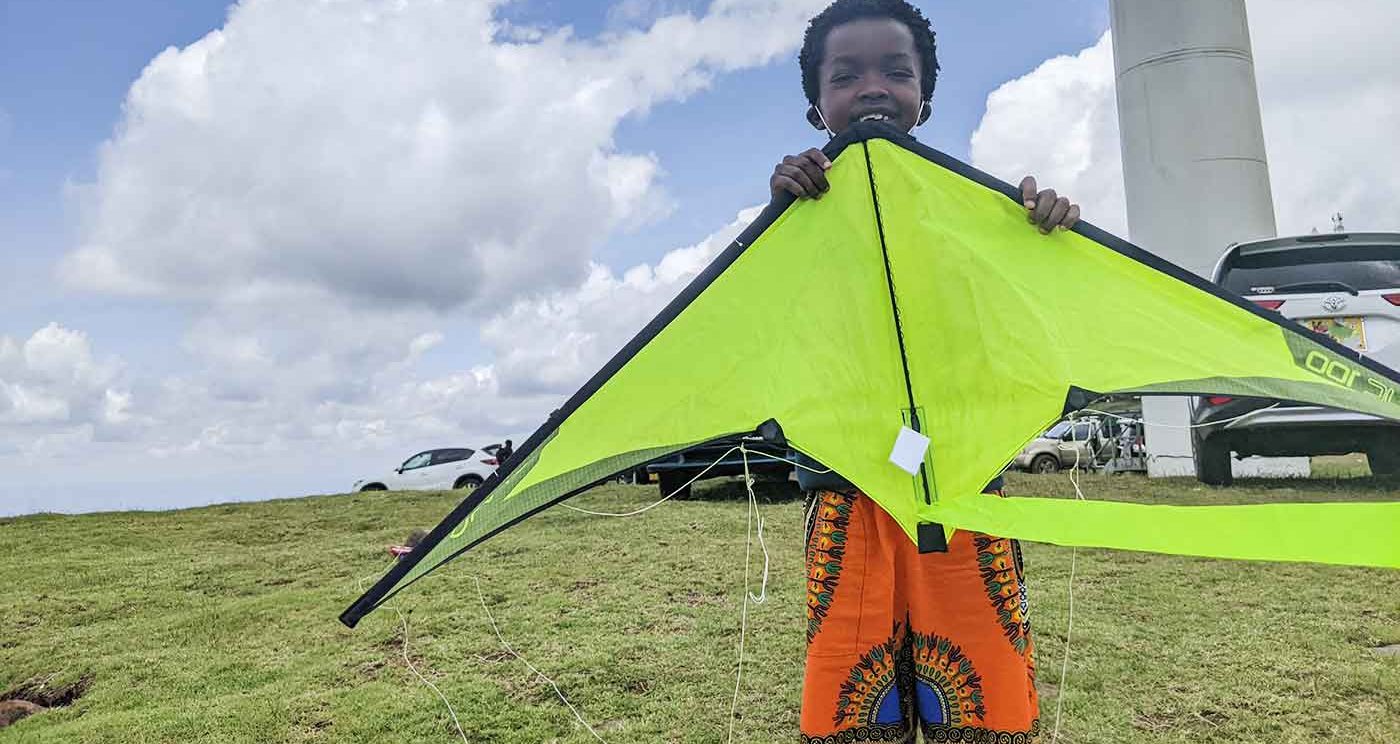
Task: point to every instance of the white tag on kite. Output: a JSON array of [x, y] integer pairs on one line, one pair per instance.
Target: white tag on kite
[[909, 449]]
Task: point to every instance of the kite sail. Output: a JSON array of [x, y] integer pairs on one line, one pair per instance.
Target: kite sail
[[913, 295]]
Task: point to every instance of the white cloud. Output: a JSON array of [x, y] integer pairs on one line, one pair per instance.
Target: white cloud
[[337, 191], [24, 405], [1060, 124], [551, 344], [1330, 96], [543, 348], [335, 188], [53, 390], [338, 385], [1329, 85], [63, 356], [407, 153]]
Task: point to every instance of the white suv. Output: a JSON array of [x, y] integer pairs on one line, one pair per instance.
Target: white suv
[[1344, 285], [436, 470]]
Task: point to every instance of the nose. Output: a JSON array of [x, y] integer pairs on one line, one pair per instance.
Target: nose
[[873, 93]]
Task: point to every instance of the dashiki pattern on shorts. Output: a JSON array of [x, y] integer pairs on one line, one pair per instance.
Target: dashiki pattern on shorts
[[900, 642]]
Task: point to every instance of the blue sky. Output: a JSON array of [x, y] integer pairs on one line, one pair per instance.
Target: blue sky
[[65, 67], [232, 269], [60, 107]]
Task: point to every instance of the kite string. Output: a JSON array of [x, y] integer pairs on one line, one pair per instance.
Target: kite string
[[482, 596], [1232, 419], [360, 582], [1064, 661], [752, 511], [1074, 551], [654, 504], [1069, 614], [707, 469], [425, 680], [753, 515], [762, 544]]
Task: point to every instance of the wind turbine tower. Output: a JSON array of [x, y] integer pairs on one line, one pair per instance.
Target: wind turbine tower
[[1195, 174]]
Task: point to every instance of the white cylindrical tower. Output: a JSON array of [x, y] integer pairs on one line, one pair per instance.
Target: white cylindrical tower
[[1194, 170]]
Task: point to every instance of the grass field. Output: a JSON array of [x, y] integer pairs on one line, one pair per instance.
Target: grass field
[[218, 625]]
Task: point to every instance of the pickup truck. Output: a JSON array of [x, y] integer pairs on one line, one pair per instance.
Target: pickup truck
[[676, 473]]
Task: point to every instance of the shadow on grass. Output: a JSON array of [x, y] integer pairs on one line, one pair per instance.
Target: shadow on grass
[[732, 489]]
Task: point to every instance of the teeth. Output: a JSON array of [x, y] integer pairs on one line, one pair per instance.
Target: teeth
[[874, 117]]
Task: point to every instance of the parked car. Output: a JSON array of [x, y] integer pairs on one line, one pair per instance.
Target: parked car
[[1344, 285], [1086, 442], [434, 470], [711, 461]]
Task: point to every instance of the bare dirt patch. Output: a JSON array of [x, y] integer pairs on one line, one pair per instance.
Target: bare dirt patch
[[38, 694]]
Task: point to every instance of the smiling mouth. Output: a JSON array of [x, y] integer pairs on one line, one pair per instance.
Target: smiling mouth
[[876, 117]]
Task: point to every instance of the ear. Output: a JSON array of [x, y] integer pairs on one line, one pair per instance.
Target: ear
[[814, 118], [926, 111]]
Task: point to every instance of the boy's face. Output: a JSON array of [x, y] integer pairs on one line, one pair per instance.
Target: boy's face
[[870, 68]]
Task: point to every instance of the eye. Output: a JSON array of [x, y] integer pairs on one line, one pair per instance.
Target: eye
[[838, 78], [901, 74]]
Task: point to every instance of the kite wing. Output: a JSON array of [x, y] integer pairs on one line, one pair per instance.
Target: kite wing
[[914, 295], [1007, 331]]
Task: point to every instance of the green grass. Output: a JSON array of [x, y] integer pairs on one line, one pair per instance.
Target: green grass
[[218, 625]]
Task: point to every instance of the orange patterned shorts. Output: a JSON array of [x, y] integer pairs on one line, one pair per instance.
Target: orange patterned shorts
[[900, 642]]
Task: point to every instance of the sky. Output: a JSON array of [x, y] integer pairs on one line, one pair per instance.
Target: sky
[[266, 249]]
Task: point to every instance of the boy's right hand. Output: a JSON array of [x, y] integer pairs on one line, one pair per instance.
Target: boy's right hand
[[801, 175]]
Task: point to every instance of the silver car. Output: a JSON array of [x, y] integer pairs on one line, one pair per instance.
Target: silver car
[[1086, 443], [1343, 285]]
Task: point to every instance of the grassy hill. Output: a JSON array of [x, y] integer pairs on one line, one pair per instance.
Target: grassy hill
[[218, 625]]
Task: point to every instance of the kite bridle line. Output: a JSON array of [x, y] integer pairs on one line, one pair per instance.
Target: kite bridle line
[[480, 595], [749, 597], [657, 503], [1121, 417], [360, 584], [1069, 590], [752, 512], [707, 469], [1074, 551]]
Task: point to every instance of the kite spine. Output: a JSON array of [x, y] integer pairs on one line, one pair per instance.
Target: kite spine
[[894, 311]]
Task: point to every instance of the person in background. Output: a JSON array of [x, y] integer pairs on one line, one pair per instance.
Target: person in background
[[504, 453]]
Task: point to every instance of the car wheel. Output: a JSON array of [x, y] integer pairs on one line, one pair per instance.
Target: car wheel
[[1384, 457], [1045, 465], [469, 482], [1213, 462], [677, 483], [374, 487]]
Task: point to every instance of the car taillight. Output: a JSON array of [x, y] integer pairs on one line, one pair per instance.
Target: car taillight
[[1269, 304], [490, 461], [1219, 400], [1393, 298]]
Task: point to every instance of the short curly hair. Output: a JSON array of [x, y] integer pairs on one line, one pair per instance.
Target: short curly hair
[[845, 11]]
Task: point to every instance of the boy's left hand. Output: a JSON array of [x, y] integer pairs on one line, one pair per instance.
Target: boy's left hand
[[1045, 209]]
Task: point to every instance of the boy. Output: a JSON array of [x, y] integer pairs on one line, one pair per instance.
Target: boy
[[900, 642]]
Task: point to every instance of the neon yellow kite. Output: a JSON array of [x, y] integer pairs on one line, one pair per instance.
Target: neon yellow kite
[[912, 296]]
